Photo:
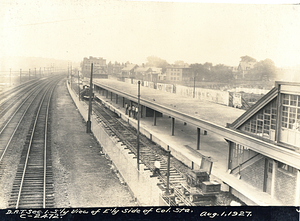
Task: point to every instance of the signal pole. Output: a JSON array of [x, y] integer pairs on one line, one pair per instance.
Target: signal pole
[[78, 87], [88, 123], [138, 126], [168, 172]]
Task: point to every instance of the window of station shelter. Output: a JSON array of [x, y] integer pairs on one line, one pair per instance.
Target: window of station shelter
[[238, 150], [290, 112], [264, 121], [287, 168]]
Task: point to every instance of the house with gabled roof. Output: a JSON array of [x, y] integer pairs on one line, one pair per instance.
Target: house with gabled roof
[[274, 119], [129, 71], [245, 66], [141, 73]]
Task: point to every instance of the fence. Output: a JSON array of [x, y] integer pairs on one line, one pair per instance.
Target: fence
[[250, 90], [216, 96]]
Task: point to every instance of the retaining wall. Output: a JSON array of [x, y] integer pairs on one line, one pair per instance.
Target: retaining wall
[[175, 152], [143, 187]]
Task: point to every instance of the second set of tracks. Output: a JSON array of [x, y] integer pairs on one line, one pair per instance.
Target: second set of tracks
[[33, 185]]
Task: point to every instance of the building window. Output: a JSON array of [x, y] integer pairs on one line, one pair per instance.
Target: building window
[[264, 121], [287, 168], [290, 112], [270, 167]]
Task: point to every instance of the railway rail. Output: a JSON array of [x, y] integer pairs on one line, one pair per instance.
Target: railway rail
[[32, 187], [149, 153], [10, 124], [9, 97]]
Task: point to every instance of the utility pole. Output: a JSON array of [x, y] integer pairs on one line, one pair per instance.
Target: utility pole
[[138, 126], [35, 72], [29, 73], [20, 76], [194, 85], [40, 73], [78, 87], [71, 75], [168, 172], [10, 77], [88, 123]]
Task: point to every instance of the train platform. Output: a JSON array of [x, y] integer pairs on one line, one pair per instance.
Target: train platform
[[204, 110], [185, 136]]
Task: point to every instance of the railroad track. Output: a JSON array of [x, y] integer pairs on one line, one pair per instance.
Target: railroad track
[[149, 152], [11, 124], [10, 97], [33, 185]]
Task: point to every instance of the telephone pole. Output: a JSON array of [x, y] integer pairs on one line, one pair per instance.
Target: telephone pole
[[88, 123], [138, 126]]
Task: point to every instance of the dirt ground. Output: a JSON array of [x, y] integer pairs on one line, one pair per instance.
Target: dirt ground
[[82, 176]]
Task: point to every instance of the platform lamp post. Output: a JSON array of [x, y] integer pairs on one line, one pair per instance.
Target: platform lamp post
[[138, 126], [168, 172], [88, 123]]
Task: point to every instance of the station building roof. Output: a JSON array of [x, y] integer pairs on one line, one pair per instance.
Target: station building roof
[[211, 112], [215, 117]]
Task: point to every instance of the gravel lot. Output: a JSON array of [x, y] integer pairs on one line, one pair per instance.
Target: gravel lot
[[82, 177]]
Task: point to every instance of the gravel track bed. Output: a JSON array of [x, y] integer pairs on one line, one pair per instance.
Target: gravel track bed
[[82, 176], [12, 157]]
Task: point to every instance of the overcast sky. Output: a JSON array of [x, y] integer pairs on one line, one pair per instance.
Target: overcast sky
[[131, 31]]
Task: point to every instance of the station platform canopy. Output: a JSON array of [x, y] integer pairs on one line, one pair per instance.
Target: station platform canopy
[[204, 110]]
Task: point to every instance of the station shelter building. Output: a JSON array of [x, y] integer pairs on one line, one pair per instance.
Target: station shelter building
[[275, 119]]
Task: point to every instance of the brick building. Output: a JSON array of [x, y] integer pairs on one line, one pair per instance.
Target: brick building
[[275, 119], [99, 67], [178, 73]]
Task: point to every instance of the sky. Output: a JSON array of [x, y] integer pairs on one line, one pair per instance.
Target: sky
[[133, 30]]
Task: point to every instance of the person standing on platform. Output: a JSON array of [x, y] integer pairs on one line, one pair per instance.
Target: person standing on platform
[[136, 112], [129, 111], [126, 108], [133, 111]]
